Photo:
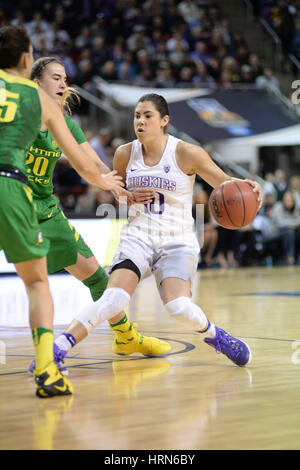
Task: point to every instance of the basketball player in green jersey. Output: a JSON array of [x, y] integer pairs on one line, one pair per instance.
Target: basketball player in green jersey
[[23, 109], [67, 248]]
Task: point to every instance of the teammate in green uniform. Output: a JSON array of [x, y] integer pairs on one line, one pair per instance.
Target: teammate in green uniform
[[67, 248], [23, 108]]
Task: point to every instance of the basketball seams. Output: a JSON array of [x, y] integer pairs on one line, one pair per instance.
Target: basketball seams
[[233, 206], [224, 204], [244, 206]]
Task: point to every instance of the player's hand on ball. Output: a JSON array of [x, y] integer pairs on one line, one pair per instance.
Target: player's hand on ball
[[143, 195], [112, 182], [257, 189]]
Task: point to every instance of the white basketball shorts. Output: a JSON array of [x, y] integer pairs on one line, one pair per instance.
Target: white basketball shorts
[[164, 256]]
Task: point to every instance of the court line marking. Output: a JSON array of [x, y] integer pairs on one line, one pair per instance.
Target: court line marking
[[187, 347]]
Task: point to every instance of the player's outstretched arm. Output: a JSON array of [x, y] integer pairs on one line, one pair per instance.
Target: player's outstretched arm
[[87, 167], [195, 160]]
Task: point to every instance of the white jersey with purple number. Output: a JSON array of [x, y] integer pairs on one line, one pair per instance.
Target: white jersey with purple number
[[170, 212]]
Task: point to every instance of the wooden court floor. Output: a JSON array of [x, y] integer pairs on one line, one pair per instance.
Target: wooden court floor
[[190, 399]]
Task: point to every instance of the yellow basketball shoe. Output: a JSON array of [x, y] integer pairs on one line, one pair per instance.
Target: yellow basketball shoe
[[130, 341], [50, 382]]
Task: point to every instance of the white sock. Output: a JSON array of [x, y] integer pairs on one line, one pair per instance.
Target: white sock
[[65, 341], [210, 330]]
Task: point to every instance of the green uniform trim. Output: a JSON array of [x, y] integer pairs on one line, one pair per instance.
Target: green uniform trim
[[97, 283], [38, 332], [16, 79]]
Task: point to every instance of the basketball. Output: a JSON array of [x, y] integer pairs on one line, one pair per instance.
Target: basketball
[[233, 204]]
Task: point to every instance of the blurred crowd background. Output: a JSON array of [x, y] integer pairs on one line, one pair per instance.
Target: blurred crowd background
[[165, 44]]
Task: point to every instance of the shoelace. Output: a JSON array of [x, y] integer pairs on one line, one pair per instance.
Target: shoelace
[[224, 340], [60, 356]]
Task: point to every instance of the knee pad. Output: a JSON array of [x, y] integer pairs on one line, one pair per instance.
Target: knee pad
[[113, 301], [183, 310]]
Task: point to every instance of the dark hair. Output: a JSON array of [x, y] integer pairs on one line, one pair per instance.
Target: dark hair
[[40, 64], [159, 102], [14, 41]]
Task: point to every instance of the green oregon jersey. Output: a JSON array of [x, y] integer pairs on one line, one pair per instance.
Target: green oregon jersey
[[20, 119], [42, 157]]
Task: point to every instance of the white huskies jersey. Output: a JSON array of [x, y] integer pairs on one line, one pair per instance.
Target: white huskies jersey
[[170, 212]]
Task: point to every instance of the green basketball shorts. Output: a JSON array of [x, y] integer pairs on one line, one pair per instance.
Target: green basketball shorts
[[65, 241], [20, 234]]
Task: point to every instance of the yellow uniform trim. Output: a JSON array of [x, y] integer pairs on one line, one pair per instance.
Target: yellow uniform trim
[[16, 79]]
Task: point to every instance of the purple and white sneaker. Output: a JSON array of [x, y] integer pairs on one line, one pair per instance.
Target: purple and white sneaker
[[235, 349], [59, 359]]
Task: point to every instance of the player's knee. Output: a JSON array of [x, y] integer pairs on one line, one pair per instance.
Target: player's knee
[[113, 301], [36, 287], [183, 310], [177, 307]]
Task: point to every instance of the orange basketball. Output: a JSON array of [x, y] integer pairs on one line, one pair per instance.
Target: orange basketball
[[233, 204]]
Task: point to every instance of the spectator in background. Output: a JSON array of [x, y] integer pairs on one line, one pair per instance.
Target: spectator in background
[[99, 53], [143, 60], [138, 40], [198, 20], [285, 219], [98, 142], [164, 76], [56, 34], [230, 71], [242, 55], [185, 78], [200, 53], [19, 18], [262, 221], [63, 53], [127, 58], [161, 54], [108, 71], [124, 73], [145, 78], [255, 65], [201, 77], [38, 40], [176, 40], [68, 184], [177, 57], [188, 9], [280, 184], [84, 73], [84, 38], [227, 247], [214, 68], [246, 74], [269, 186], [209, 236], [267, 79], [294, 187], [37, 21]]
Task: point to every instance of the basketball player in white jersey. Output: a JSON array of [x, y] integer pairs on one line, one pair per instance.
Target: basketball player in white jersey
[[160, 170]]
